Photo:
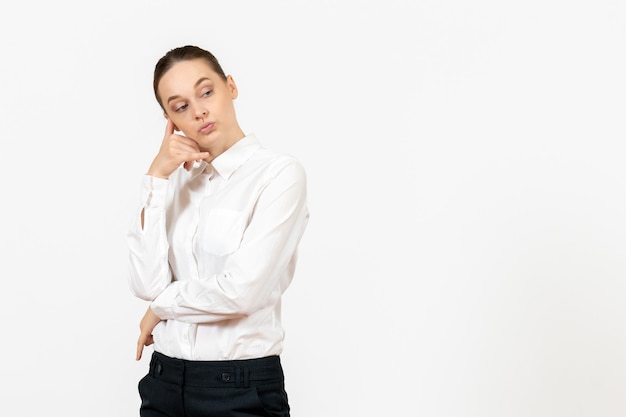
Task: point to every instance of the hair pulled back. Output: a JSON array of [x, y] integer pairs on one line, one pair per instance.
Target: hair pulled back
[[183, 53]]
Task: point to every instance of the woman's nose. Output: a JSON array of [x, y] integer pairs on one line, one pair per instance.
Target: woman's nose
[[201, 113]]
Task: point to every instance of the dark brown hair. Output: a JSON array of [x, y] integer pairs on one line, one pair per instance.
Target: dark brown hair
[[183, 53]]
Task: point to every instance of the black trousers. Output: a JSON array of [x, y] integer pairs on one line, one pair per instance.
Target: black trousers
[[234, 388]]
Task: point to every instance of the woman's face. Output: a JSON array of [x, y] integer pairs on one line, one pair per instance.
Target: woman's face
[[200, 104]]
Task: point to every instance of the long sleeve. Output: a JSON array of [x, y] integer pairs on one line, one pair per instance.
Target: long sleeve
[[258, 272], [148, 245], [218, 248]]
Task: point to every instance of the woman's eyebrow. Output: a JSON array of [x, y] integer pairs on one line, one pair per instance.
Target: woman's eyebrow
[[200, 81]]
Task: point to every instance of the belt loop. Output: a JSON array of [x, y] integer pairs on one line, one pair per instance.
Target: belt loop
[[242, 376], [152, 361], [246, 377], [183, 375]]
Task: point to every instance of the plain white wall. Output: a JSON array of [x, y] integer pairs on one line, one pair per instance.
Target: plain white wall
[[466, 249]]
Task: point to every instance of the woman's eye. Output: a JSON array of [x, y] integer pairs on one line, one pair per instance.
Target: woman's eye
[[207, 93], [181, 107]]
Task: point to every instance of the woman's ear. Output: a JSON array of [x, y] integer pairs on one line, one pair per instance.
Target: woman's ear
[[167, 118], [232, 87]]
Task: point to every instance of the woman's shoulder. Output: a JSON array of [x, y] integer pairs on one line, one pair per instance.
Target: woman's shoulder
[[278, 160]]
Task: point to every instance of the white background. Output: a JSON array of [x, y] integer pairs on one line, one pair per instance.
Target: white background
[[466, 249]]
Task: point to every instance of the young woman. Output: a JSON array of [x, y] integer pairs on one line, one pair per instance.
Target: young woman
[[213, 246]]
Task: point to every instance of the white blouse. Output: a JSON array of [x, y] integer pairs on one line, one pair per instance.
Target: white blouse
[[217, 251]]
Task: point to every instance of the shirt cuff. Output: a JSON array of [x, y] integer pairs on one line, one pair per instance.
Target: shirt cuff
[[153, 191], [163, 306]]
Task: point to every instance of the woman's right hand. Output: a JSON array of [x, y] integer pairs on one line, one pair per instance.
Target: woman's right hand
[[175, 150], [146, 325]]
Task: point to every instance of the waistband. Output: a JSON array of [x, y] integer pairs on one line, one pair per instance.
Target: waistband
[[240, 373]]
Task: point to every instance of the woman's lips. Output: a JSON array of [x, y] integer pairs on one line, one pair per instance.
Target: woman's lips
[[206, 127]]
